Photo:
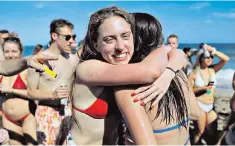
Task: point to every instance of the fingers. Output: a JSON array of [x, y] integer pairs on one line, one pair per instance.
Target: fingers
[[145, 93], [141, 89], [35, 64], [158, 99], [152, 96], [62, 92], [36, 60], [45, 57]]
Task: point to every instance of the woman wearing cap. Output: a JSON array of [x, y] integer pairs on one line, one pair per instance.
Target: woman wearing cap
[[202, 81]]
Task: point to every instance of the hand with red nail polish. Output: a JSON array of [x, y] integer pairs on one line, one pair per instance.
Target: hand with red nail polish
[[136, 100]]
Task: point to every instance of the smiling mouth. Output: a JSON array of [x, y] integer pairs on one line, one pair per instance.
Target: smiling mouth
[[120, 57], [123, 55]]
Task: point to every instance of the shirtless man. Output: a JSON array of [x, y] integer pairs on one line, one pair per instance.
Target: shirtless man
[[49, 90]]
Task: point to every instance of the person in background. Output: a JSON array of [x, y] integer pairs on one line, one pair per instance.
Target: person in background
[[3, 34], [49, 90], [17, 110], [172, 40], [203, 80], [228, 134], [38, 48], [189, 52]]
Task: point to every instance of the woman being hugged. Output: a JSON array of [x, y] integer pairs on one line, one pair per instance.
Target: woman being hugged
[[203, 81], [168, 120], [17, 110]]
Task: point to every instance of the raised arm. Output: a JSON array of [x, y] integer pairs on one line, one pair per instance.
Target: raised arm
[[13, 66], [223, 58], [136, 118], [92, 72]]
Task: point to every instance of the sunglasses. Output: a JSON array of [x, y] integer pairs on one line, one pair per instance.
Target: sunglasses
[[14, 39], [211, 56], [68, 37]]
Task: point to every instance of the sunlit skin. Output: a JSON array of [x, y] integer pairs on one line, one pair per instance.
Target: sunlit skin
[[11, 103], [207, 61], [115, 41], [173, 42], [62, 44], [11, 51]]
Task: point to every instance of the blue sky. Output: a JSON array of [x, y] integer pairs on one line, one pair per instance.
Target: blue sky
[[193, 22]]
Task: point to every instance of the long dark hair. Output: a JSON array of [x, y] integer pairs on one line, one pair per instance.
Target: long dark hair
[[149, 37]]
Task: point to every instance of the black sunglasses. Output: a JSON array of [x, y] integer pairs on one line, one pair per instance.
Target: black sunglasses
[[14, 39], [68, 37], [211, 56]]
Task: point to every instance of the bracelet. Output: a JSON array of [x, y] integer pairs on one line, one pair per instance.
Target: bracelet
[[175, 72]]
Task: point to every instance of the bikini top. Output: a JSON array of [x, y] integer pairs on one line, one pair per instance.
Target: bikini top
[[18, 84], [199, 82], [98, 109], [176, 126], [101, 107]]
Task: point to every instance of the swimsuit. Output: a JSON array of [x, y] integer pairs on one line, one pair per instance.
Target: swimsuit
[[18, 84], [199, 82], [98, 109], [177, 126]]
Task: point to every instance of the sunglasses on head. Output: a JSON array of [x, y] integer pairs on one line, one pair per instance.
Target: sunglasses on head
[[68, 37], [14, 39]]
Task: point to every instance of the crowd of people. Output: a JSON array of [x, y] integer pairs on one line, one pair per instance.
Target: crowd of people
[[122, 85]]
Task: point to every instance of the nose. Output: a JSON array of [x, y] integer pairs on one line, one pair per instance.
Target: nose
[[71, 40], [10, 54], [119, 45]]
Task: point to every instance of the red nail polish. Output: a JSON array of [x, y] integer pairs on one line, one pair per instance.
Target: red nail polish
[[136, 100], [133, 94], [142, 103]]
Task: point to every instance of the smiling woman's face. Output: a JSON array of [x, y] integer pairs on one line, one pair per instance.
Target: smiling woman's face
[[115, 40], [11, 51]]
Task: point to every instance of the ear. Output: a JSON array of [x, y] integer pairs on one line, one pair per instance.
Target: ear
[[54, 36]]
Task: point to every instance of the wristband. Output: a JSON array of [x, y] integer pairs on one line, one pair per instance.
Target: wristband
[[175, 72], [50, 72], [213, 51]]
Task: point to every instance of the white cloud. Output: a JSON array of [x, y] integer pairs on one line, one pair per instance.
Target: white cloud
[[39, 5], [225, 15], [199, 6]]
